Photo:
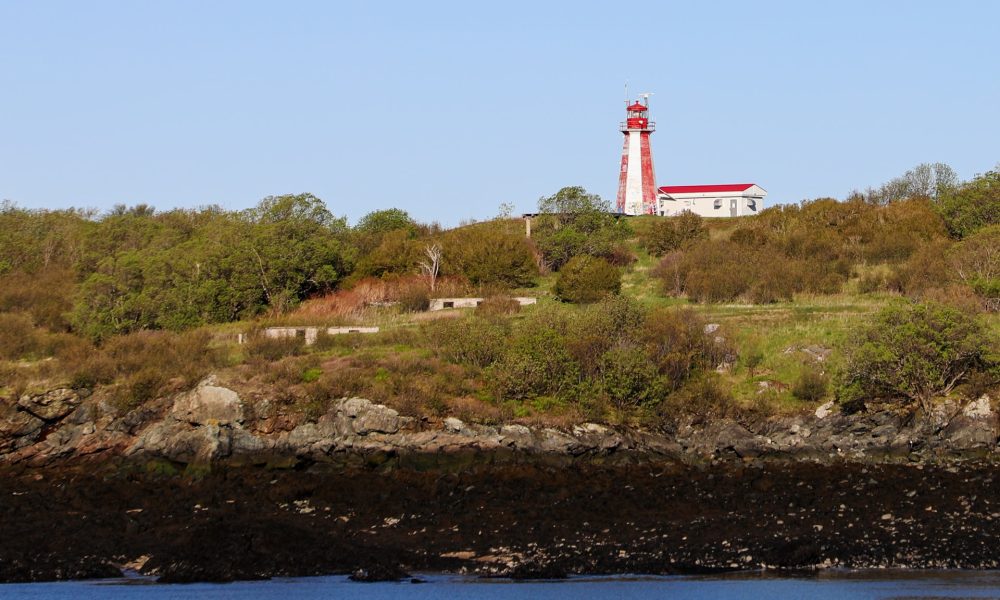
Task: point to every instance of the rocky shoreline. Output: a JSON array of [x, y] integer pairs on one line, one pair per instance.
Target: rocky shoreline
[[203, 486]]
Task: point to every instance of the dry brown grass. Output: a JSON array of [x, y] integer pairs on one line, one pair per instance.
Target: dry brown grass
[[351, 304]]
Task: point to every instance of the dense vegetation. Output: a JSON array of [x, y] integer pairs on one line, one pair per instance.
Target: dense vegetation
[[136, 302]]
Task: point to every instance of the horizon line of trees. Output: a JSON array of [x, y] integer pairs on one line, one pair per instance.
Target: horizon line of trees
[[135, 268]]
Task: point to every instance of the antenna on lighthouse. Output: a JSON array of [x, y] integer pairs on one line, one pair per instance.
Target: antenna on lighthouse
[[645, 96], [626, 92]]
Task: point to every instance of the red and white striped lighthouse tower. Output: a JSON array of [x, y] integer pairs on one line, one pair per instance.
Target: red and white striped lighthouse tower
[[636, 182]]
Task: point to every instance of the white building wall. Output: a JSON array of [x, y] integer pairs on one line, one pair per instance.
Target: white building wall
[[723, 204]]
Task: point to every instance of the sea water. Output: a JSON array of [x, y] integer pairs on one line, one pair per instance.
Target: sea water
[[833, 586]]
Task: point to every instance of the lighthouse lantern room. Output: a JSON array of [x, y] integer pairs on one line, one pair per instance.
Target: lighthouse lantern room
[[636, 182]]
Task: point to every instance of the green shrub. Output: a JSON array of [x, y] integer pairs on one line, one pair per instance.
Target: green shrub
[[979, 383], [872, 282], [811, 386], [498, 307], [586, 279], [751, 358], [671, 273], [46, 295], [914, 352], [660, 238], [972, 206], [628, 378], [414, 299], [268, 348], [928, 267], [534, 365], [703, 398], [311, 374], [472, 341], [976, 262], [535, 360], [676, 343], [488, 256], [576, 223], [726, 271], [589, 333], [690, 228], [715, 272], [143, 386], [18, 337]]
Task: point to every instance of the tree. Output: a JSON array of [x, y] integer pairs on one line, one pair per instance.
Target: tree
[[295, 244], [586, 279], [296, 208], [185, 268], [575, 223], [929, 181], [372, 229], [432, 266], [572, 203], [914, 353], [396, 253], [976, 261], [973, 205], [486, 254]]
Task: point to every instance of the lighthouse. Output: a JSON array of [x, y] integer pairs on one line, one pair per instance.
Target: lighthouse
[[636, 182]]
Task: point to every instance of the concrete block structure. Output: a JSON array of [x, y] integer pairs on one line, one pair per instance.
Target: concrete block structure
[[308, 334], [448, 303]]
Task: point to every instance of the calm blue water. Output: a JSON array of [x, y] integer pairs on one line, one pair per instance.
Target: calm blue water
[[842, 586]]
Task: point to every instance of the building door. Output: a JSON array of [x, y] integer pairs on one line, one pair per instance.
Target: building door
[[732, 207]]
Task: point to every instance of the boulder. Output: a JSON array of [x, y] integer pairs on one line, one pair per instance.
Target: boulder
[[733, 436], [313, 438], [202, 444], [555, 441], [368, 417], [974, 427], [208, 404], [598, 436], [516, 436], [52, 405], [18, 429], [824, 410]]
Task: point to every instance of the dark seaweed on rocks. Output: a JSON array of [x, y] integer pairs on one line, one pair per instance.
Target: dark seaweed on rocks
[[524, 520], [195, 490]]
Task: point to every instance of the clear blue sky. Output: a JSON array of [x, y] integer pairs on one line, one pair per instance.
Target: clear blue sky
[[448, 109]]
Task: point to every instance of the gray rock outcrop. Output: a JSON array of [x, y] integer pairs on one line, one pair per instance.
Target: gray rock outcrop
[[212, 423], [52, 405], [208, 404]]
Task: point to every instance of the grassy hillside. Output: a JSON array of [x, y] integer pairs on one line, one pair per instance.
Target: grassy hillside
[[735, 317]]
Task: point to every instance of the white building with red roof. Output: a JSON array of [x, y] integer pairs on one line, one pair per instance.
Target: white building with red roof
[[637, 191], [719, 200]]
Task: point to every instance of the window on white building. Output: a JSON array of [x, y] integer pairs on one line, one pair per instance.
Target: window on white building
[[718, 204]]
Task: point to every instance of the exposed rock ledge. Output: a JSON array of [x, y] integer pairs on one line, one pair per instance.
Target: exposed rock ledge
[[212, 423]]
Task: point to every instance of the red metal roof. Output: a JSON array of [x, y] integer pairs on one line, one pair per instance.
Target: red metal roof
[[637, 106], [701, 189]]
